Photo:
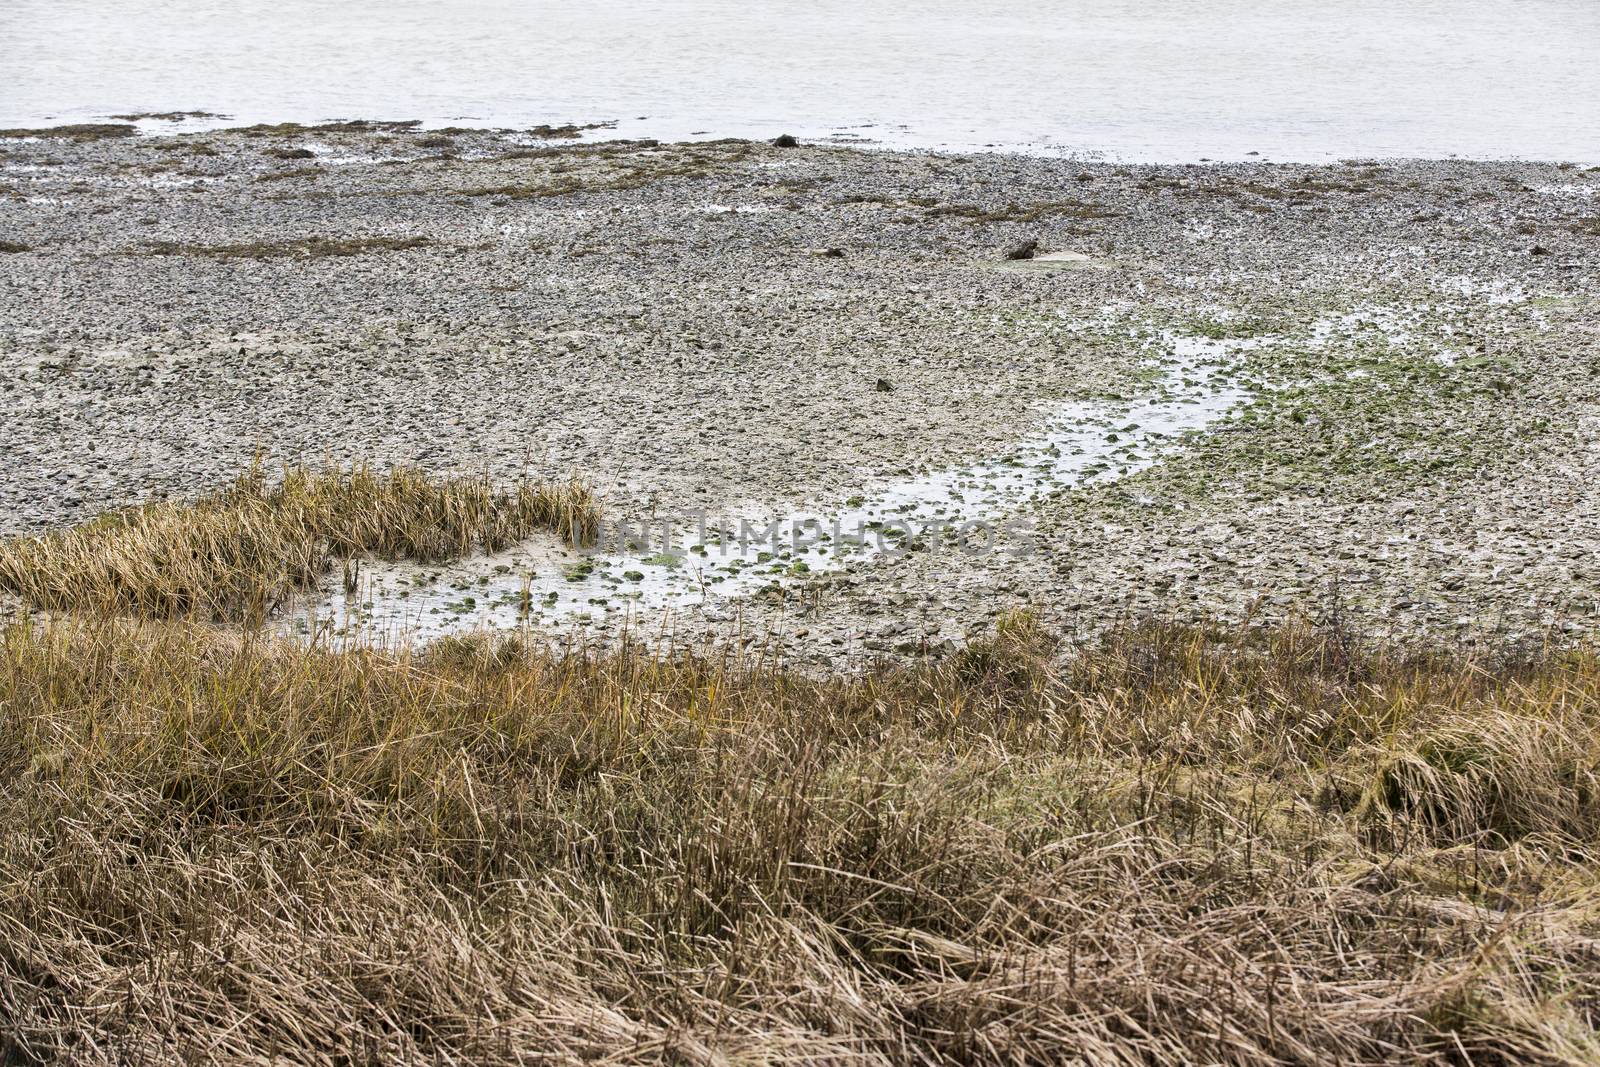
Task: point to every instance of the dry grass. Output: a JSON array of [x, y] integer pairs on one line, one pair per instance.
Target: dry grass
[[1179, 848], [241, 553]]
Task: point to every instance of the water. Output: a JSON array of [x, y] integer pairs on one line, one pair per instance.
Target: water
[[1130, 79]]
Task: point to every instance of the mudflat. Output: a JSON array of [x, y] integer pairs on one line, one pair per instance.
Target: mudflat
[[1216, 392]]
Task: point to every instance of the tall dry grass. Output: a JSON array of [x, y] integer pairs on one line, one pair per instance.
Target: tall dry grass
[[240, 553], [1181, 847]]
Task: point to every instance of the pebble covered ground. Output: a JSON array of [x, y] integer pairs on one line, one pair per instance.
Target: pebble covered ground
[[1414, 348]]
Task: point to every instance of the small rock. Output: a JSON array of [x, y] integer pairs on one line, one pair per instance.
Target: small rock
[[787, 140], [1538, 250], [885, 385], [1020, 250]]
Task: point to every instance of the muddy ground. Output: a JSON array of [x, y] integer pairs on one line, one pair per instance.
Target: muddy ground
[[1413, 349]]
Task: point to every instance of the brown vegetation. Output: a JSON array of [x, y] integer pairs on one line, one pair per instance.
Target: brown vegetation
[[84, 131], [168, 116], [295, 129], [1179, 847], [241, 553]]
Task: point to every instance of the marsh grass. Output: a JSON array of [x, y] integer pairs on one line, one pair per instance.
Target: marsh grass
[[240, 553], [1172, 847]]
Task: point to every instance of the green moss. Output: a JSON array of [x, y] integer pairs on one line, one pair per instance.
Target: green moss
[[1218, 328], [1392, 416]]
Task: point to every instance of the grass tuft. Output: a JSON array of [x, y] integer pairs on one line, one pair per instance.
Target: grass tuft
[[240, 553]]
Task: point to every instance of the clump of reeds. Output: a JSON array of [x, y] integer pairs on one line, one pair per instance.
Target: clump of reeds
[[239, 553], [1175, 846]]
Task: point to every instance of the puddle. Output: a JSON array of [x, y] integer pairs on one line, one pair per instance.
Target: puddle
[[698, 560]]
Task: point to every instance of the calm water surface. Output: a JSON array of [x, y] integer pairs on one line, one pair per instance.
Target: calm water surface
[[1134, 79]]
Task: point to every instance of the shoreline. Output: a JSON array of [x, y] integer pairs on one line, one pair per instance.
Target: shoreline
[[577, 131]]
